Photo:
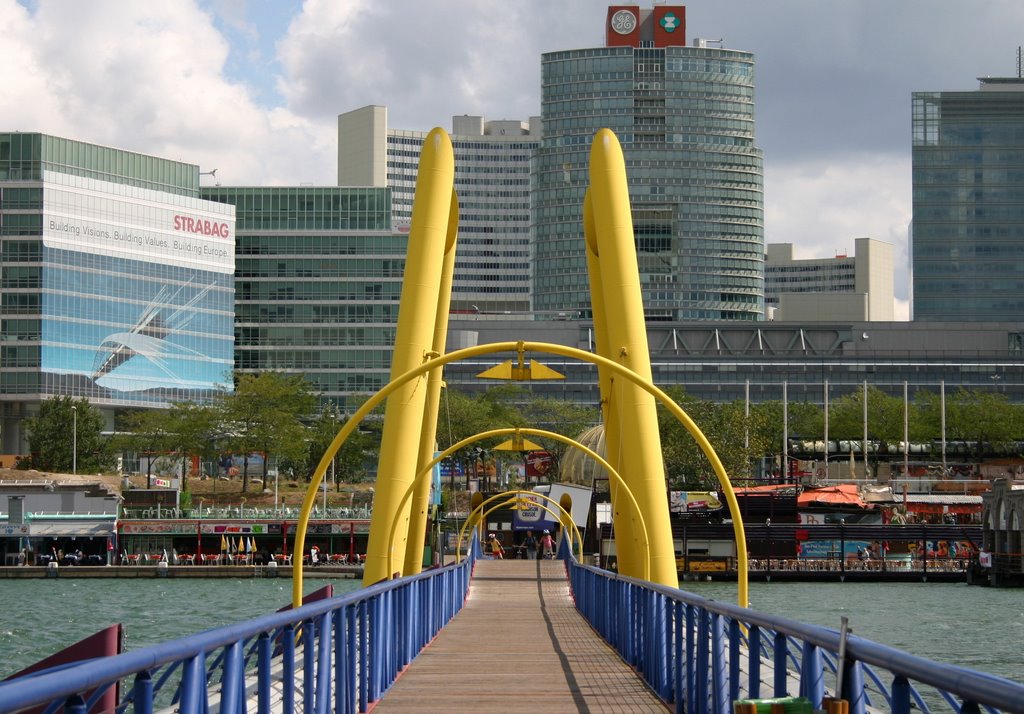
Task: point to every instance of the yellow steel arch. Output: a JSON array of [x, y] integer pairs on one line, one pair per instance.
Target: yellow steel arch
[[520, 346], [517, 497], [616, 477]]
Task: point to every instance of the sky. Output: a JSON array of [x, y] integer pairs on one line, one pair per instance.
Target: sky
[[252, 88]]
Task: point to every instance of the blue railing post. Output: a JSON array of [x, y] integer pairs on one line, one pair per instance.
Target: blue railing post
[[363, 663], [900, 695], [193, 685], [142, 693], [734, 659], [264, 651], [323, 665], [703, 641], [720, 701], [232, 684], [754, 662], [679, 660], [692, 685], [853, 687], [308, 665], [812, 675], [288, 669], [780, 662]]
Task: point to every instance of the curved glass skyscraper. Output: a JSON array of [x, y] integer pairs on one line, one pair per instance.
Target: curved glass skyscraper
[[685, 118]]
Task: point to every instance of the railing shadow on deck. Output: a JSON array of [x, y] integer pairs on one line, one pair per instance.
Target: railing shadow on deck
[[358, 645], [699, 655]]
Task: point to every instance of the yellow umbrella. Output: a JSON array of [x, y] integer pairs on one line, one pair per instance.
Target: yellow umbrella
[[223, 544]]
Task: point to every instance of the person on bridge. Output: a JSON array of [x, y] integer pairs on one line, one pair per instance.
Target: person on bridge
[[530, 543], [497, 552], [547, 545]]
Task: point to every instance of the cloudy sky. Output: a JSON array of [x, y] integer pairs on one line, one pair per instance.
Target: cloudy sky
[[253, 87]]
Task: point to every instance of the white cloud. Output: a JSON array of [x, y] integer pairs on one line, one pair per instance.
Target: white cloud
[[149, 77], [823, 206]]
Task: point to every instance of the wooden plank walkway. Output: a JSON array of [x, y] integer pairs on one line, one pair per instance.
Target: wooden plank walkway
[[519, 645]]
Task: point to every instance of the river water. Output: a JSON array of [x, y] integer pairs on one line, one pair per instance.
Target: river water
[[980, 628]]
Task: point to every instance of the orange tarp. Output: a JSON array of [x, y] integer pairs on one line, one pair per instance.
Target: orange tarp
[[844, 494]]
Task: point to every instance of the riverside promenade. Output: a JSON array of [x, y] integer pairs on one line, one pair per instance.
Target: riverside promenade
[[519, 644]]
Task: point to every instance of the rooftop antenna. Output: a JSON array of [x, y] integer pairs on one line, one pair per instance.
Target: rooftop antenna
[[1020, 63]]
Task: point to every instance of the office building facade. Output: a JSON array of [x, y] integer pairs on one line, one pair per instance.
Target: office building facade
[[685, 118], [318, 282], [116, 280], [968, 201], [492, 180], [857, 287]]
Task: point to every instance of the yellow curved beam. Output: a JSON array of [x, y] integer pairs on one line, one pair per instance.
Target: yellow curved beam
[[516, 499], [413, 487], [617, 478], [542, 347]]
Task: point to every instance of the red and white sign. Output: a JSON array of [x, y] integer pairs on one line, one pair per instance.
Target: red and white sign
[[623, 26]]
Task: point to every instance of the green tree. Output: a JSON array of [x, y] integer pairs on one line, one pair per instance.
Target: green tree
[[983, 418], [148, 432], [805, 421], [67, 431], [737, 440], [265, 414], [351, 459], [884, 420]]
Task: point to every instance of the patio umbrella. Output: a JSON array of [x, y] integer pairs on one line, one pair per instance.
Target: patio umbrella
[[223, 544]]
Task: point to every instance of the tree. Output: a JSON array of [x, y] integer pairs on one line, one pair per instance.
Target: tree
[[884, 420], [350, 461], [982, 418], [805, 420], [736, 439], [265, 415], [67, 431], [146, 431]]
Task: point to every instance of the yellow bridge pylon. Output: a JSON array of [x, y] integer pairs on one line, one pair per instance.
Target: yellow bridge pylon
[[628, 395]]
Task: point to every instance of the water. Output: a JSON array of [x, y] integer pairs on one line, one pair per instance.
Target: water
[[40, 617], [980, 628], [975, 627]]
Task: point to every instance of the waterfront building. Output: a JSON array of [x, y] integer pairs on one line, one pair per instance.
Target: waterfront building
[[857, 288], [726, 361], [968, 203], [492, 180], [117, 280], [319, 276], [684, 115]]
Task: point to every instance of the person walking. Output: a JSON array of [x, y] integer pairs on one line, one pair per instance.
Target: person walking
[[530, 543], [497, 552], [547, 545]]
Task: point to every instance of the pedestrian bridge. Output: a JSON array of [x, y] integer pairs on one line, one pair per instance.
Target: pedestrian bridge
[[482, 635]]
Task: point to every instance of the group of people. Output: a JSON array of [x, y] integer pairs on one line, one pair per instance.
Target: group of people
[[545, 546]]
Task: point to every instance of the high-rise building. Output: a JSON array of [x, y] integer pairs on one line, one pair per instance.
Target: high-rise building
[[117, 280], [492, 180], [318, 281], [857, 287], [968, 181], [685, 118]]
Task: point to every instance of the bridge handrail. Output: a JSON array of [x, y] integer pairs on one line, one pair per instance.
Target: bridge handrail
[[415, 607], [596, 590]]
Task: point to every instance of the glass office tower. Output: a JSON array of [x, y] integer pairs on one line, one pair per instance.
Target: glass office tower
[[492, 180], [117, 280], [968, 183], [685, 119], [319, 278]]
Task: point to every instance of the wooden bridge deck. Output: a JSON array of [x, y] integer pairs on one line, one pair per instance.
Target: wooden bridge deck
[[519, 645]]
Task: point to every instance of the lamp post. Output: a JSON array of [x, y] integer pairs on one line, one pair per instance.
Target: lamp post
[[74, 439]]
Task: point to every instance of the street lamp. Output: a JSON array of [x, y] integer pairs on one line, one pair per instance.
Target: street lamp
[[74, 439]]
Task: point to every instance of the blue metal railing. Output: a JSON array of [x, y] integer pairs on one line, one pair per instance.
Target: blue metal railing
[[701, 655], [350, 649]]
